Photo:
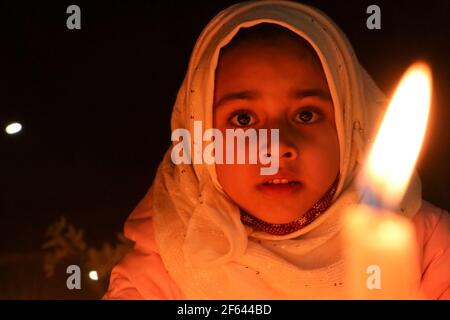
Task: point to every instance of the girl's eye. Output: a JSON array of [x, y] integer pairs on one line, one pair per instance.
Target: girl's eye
[[307, 116], [242, 119]]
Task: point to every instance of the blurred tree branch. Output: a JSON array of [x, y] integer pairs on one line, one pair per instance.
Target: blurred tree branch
[[65, 244]]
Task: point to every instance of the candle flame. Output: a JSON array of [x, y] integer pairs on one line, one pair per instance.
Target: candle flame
[[396, 148]]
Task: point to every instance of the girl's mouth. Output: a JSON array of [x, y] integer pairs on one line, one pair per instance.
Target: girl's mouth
[[280, 187], [280, 182]]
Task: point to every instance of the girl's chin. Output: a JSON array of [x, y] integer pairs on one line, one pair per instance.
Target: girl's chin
[[276, 215]]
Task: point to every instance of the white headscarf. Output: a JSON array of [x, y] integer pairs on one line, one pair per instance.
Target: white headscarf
[[204, 245]]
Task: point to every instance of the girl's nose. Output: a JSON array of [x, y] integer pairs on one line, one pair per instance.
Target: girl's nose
[[286, 146], [287, 140], [287, 151]]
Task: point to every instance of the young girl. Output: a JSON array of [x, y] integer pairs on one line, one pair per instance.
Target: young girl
[[225, 231]]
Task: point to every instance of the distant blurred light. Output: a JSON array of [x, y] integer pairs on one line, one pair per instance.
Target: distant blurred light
[[13, 128], [93, 275]]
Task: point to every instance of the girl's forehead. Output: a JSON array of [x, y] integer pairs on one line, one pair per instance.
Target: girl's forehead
[[297, 46], [270, 67], [263, 54]]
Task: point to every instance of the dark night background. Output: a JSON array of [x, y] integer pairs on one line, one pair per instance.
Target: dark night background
[[95, 103]]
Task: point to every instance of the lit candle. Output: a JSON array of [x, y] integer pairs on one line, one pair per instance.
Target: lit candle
[[380, 245]]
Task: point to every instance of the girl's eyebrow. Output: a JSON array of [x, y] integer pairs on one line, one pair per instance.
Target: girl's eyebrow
[[317, 93], [239, 95], [252, 95]]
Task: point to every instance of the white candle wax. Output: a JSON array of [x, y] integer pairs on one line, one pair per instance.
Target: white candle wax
[[381, 255]]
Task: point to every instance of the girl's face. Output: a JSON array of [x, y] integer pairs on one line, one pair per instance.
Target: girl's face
[[279, 86]]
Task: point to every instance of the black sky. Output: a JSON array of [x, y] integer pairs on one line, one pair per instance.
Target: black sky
[[95, 103]]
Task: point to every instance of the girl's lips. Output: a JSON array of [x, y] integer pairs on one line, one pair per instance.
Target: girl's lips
[[282, 174], [282, 189]]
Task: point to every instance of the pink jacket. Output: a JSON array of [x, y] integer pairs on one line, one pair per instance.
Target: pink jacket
[[130, 279]]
